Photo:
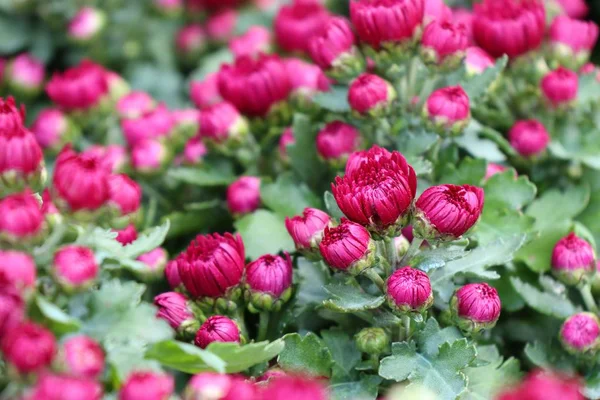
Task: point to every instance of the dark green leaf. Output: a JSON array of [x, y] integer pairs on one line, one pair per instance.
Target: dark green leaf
[[303, 153], [470, 172], [364, 389], [343, 350], [332, 208], [305, 354], [506, 190], [208, 175], [55, 318], [15, 33], [548, 303], [287, 197], [487, 381], [349, 297]]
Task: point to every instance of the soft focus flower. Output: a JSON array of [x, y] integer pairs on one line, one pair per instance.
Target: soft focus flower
[[380, 21], [436, 10], [291, 387], [580, 333], [25, 74], [220, 27], [574, 8], [306, 79], [528, 137], [448, 109], [11, 116], [21, 159], [475, 306], [296, 23], [28, 347], [477, 60], [222, 123], [256, 40], [211, 385], [21, 217], [173, 307], [190, 42], [286, 139], [205, 93], [82, 357], [379, 194], [75, 267], [572, 259], [155, 261], [149, 156], [271, 373], [512, 27], [255, 84], [86, 24], [12, 307], [125, 195], [572, 38], [211, 5], [337, 140], [307, 229], [560, 86], [52, 129], [153, 124], [370, 94], [347, 247], [112, 158], [127, 236], [545, 385], [493, 169], [145, 385], [465, 17], [172, 275], [334, 45], [194, 151], [243, 195], [60, 387], [446, 212], [135, 104], [409, 290], [217, 328], [268, 281], [17, 269], [79, 88], [212, 264], [372, 340], [444, 43]]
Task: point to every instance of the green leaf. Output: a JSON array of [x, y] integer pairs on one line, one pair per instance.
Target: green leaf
[[303, 152], [207, 175], [348, 297], [478, 85], [54, 317], [589, 88], [343, 350], [432, 337], [332, 208], [252, 17], [147, 241], [311, 285], [442, 374], [169, 88], [414, 143], [335, 100], [549, 356], [572, 202], [497, 222], [469, 172], [430, 259], [479, 147], [504, 189], [211, 63], [263, 232], [305, 354], [15, 32], [545, 302], [487, 381], [592, 386], [287, 197], [364, 389], [239, 358], [537, 254]]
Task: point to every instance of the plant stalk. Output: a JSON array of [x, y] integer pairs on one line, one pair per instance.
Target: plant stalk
[[263, 326], [412, 251]]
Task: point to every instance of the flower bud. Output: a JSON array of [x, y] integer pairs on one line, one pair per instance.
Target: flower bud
[[571, 40], [153, 124], [401, 244], [243, 195], [125, 197], [336, 141], [493, 169], [378, 22], [347, 247], [86, 25], [134, 105], [117, 86], [255, 41], [112, 158], [220, 27], [194, 151], [221, 123], [146, 385], [127, 236], [75, 268], [149, 157], [306, 79], [211, 385], [53, 129], [444, 44], [357, 158], [269, 282], [173, 307], [448, 109], [205, 93], [155, 261], [446, 212], [61, 387], [537, 383], [372, 340], [436, 11], [17, 270], [409, 290], [11, 116], [21, 218], [80, 88], [573, 258], [172, 275], [12, 307], [82, 357], [529, 137], [25, 75], [379, 194], [21, 160], [512, 27], [295, 387], [307, 229], [475, 306], [272, 373], [255, 84], [286, 139], [217, 328], [580, 334], [186, 123], [574, 8], [559, 87], [370, 95], [190, 43], [295, 24], [28, 348], [477, 61], [212, 265]]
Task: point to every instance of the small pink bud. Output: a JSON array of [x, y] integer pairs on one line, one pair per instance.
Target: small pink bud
[[212, 265], [477, 61], [79, 88], [155, 261], [444, 43], [409, 290], [560, 87], [243, 195], [25, 74], [269, 281], [286, 139], [205, 93], [347, 247], [18, 269], [295, 388], [220, 27], [529, 137], [82, 357], [21, 160], [153, 124], [255, 41], [125, 195], [194, 151], [28, 347], [172, 275], [11, 116], [295, 24], [210, 385], [493, 169], [334, 45], [191, 42], [307, 79], [572, 40], [149, 157], [126, 236], [436, 11], [580, 333], [12, 307], [475, 306], [539, 382], [146, 385], [112, 158], [572, 259], [222, 123], [587, 69], [52, 129], [173, 307], [272, 373], [21, 217], [135, 104], [574, 8], [217, 328], [357, 158], [186, 118], [336, 141], [86, 24], [448, 109], [60, 387], [446, 212], [75, 267], [370, 94], [307, 229]]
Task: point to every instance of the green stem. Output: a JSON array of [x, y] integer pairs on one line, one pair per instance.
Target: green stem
[[375, 278], [263, 326], [391, 253], [239, 318], [406, 323], [588, 299], [412, 251]]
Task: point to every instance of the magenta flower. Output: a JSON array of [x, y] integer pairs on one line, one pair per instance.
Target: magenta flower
[[219, 386], [493, 169], [18, 269], [206, 92], [337, 140], [333, 43], [28, 347], [243, 195], [79, 88], [269, 279], [255, 41], [190, 41], [21, 217], [75, 267], [51, 129], [529, 137], [477, 60], [217, 328], [220, 27], [149, 156], [82, 357], [126, 236], [62, 387], [307, 229], [25, 74], [560, 87], [358, 158], [173, 307], [158, 122], [572, 259], [147, 385], [296, 23], [222, 123], [347, 247], [21, 159], [580, 333], [409, 290], [86, 24], [292, 387], [370, 94], [476, 306], [12, 307], [286, 139], [575, 37], [448, 109], [306, 78], [444, 42], [135, 104], [124, 194]]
